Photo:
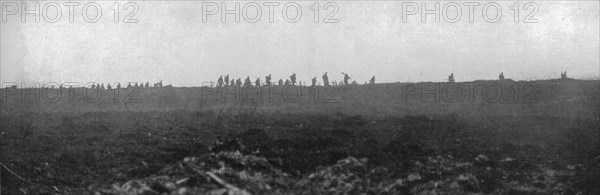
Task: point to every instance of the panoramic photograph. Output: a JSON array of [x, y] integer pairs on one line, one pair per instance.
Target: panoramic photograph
[[356, 97]]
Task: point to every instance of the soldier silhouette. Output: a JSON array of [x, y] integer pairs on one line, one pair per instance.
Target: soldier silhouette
[[280, 82], [238, 82], [346, 78], [101, 86], [147, 84], [119, 86], [293, 79], [451, 78], [325, 80], [257, 82], [247, 82], [287, 82], [314, 81], [563, 75], [501, 77], [268, 80], [226, 80], [108, 86], [136, 85], [220, 81], [232, 83]]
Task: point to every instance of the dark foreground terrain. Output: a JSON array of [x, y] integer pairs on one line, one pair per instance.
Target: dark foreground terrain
[[548, 146]]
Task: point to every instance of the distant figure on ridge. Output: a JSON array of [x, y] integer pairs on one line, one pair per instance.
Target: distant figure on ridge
[[325, 80], [238, 82], [268, 80], [226, 80], [247, 82], [287, 82], [501, 77], [293, 79], [220, 81], [314, 81], [257, 82], [147, 84], [232, 82], [346, 78], [372, 81], [451, 78], [108, 86], [563, 75], [280, 82]]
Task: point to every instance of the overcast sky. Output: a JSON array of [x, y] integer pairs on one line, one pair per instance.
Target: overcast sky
[[172, 43]]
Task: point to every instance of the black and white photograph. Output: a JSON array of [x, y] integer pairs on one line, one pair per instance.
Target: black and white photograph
[[308, 97]]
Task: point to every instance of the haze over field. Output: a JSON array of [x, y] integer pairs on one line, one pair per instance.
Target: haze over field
[[171, 43]]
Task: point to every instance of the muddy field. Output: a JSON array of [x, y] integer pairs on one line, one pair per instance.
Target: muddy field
[[377, 139]]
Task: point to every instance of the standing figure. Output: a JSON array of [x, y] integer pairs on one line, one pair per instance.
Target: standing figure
[[147, 84], [232, 83], [287, 82], [220, 81], [563, 75], [280, 82], [346, 78], [501, 77], [226, 80], [314, 81], [247, 82], [108, 86], [293, 79], [238, 82], [268, 80], [451, 78], [257, 82], [325, 80]]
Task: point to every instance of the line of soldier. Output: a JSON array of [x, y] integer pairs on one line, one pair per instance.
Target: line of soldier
[[224, 81], [136, 85]]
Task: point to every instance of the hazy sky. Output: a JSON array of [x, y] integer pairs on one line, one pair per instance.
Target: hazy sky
[[172, 43]]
